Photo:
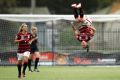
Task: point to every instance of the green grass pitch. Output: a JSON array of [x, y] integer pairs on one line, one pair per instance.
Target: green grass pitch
[[63, 73]]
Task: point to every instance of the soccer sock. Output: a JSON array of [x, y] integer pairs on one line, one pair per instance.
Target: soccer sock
[[19, 69], [87, 48], [24, 66], [75, 13], [81, 13], [29, 64], [36, 63]]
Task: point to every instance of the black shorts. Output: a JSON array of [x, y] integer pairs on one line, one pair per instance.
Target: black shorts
[[33, 49]]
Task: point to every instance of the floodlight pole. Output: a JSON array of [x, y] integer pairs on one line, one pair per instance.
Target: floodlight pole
[[33, 5]]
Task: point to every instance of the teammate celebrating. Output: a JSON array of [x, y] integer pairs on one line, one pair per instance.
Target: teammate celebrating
[[34, 50], [82, 26], [23, 37]]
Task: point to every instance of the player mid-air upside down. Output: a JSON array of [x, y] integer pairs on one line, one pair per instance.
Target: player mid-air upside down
[[84, 31]]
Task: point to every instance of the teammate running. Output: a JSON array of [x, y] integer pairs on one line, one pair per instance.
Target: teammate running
[[23, 37], [34, 50]]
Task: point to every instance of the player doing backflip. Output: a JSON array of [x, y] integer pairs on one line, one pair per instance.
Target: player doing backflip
[[84, 31]]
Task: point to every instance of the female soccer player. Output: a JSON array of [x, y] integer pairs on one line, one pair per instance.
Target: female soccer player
[[23, 37], [82, 26], [34, 50]]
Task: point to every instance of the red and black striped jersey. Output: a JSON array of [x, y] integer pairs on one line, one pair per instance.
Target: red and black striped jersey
[[85, 33], [24, 43], [85, 29]]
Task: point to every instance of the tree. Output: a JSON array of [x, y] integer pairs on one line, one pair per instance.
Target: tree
[[64, 6], [56, 6], [6, 5]]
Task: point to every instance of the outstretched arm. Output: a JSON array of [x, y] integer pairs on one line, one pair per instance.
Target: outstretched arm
[[74, 25], [93, 28]]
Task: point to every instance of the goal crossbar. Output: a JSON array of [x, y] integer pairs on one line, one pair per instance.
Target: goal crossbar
[[42, 18]]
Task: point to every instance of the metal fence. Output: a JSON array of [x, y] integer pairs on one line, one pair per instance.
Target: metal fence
[[58, 45]]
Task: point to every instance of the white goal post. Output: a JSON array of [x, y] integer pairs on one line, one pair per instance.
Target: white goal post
[[56, 35], [42, 18]]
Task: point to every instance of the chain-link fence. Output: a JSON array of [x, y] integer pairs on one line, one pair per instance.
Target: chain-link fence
[[58, 45]]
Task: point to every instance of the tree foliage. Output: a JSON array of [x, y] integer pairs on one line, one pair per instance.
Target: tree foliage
[[5, 6], [56, 6], [64, 6]]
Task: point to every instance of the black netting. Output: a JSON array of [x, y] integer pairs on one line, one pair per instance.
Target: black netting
[[58, 45]]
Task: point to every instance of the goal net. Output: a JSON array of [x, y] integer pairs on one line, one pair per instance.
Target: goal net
[[57, 44]]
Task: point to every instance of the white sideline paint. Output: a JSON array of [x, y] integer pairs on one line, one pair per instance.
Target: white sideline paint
[[105, 66]]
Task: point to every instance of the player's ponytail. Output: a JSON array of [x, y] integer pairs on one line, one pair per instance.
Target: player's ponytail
[[20, 29], [33, 28]]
